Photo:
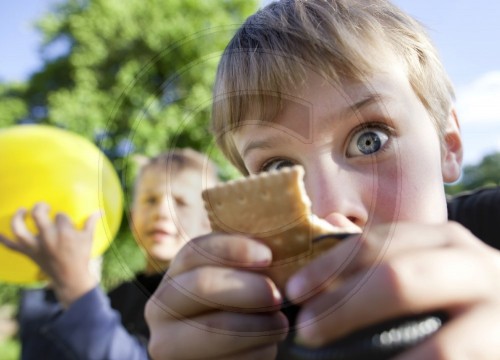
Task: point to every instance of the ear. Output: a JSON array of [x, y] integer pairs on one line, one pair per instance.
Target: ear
[[452, 156]]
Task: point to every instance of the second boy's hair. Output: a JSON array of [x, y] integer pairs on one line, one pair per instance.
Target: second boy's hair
[[176, 161], [338, 39]]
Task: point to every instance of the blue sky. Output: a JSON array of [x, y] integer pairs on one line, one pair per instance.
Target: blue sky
[[19, 40], [466, 33]]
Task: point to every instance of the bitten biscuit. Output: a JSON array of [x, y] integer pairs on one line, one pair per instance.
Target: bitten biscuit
[[274, 208]]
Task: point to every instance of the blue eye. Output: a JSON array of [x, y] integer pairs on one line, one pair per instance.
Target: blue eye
[[276, 164], [367, 142]]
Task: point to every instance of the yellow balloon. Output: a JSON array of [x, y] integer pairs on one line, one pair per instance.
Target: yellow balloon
[[65, 170]]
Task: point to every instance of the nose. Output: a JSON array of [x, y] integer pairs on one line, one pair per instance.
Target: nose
[[165, 209], [337, 195]]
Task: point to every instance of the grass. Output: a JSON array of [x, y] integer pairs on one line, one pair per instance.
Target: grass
[[10, 349]]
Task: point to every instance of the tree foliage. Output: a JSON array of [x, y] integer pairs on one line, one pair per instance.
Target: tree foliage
[[486, 173], [12, 104], [133, 76]]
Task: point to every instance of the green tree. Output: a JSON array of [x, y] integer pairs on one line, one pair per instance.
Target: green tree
[[12, 104], [132, 75], [486, 173]]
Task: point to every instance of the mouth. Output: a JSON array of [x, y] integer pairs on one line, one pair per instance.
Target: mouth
[[160, 235]]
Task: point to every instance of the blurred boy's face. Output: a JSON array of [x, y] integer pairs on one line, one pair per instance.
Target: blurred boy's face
[[370, 151], [168, 210]]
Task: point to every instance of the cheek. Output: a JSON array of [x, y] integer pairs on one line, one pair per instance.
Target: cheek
[[383, 194], [411, 189], [138, 224], [135, 224]]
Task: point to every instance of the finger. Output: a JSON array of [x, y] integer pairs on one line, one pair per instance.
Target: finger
[[69, 236], [214, 288], [472, 335], [63, 221], [66, 231], [91, 222], [41, 216], [12, 245], [216, 335], [367, 250], [221, 250], [25, 238], [412, 284]]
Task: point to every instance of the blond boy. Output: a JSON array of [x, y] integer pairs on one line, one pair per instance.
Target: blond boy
[[353, 91]]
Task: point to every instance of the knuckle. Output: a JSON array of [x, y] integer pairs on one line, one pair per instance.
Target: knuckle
[[457, 232], [243, 253], [65, 232], [213, 249], [157, 310], [203, 283], [39, 209], [193, 248], [190, 286], [204, 287], [183, 257], [157, 349], [150, 312], [397, 277], [453, 229]]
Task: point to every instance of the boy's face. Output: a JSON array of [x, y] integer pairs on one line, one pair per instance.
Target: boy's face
[[370, 151], [167, 211]]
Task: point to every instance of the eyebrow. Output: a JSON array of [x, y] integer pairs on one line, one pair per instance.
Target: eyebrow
[[147, 192], [365, 101], [268, 143]]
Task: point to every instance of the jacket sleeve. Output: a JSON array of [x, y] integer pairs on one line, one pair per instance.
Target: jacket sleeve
[[91, 329], [37, 308]]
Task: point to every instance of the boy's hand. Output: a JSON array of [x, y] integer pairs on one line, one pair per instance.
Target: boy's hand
[[61, 251], [405, 269], [214, 304]]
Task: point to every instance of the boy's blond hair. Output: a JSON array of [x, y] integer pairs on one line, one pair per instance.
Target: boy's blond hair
[[176, 161], [338, 39]]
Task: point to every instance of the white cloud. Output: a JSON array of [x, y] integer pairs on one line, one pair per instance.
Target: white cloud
[[478, 105], [479, 102]]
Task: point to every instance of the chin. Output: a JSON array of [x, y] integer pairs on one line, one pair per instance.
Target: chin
[[163, 256]]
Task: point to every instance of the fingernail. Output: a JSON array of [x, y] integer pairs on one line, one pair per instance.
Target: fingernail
[[295, 287], [261, 254], [276, 294]]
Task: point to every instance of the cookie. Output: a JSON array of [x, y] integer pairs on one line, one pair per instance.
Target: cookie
[[274, 208]]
